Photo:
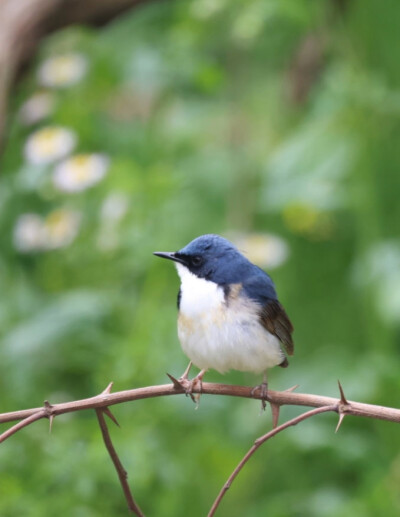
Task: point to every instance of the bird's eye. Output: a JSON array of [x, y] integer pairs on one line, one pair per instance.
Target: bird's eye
[[196, 261]]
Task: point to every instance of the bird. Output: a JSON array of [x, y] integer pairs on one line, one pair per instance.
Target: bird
[[229, 315]]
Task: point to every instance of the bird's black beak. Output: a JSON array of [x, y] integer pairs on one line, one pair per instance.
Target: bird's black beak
[[170, 255]]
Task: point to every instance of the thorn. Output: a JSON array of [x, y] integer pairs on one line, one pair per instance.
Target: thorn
[[196, 400], [49, 414], [107, 391], [51, 418], [175, 382], [343, 399], [187, 371], [292, 388], [341, 418], [275, 409], [179, 385], [343, 403], [107, 411]]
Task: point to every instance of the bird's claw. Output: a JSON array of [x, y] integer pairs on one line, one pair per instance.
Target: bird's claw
[[189, 385], [263, 389]]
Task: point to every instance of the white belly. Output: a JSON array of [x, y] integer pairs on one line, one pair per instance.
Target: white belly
[[223, 336]]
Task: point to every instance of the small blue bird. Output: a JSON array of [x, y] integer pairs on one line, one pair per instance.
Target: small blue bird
[[229, 313]]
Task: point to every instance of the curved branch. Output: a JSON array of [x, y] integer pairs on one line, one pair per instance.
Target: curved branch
[[276, 398], [122, 473], [259, 442], [41, 413], [280, 398]]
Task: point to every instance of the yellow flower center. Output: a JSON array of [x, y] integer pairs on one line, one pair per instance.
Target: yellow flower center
[[81, 167], [46, 140], [62, 68]]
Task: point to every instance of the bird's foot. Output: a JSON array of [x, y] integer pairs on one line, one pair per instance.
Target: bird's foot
[[190, 385], [263, 389]]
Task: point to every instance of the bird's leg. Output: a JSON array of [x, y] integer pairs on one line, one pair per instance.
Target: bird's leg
[[264, 391], [197, 382], [187, 384], [263, 387], [185, 375]]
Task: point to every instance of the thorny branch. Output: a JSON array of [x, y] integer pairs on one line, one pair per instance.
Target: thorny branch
[[258, 443], [122, 474], [280, 398], [276, 399]]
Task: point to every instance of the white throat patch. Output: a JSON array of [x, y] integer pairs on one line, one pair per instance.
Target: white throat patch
[[198, 294]]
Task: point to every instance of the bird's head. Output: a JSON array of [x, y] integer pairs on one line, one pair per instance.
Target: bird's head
[[209, 256]]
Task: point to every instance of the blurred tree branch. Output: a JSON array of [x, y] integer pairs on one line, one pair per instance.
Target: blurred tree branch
[[305, 68], [276, 399], [23, 23]]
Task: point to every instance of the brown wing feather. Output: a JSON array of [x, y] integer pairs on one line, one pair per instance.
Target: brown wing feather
[[274, 318]]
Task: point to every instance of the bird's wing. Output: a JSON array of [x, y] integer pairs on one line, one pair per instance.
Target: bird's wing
[[273, 317]]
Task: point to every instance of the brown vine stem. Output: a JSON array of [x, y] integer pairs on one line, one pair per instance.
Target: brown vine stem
[[280, 398], [259, 442], [23, 423], [122, 474]]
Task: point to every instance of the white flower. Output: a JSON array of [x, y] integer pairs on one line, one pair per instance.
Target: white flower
[[62, 71], [28, 233], [114, 207], [60, 228], [266, 250], [80, 172], [36, 108], [35, 233], [49, 144]]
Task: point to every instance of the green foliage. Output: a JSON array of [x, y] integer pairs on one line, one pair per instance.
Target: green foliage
[[192, 104]]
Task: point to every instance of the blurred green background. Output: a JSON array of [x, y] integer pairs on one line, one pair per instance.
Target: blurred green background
[[276, 124]]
